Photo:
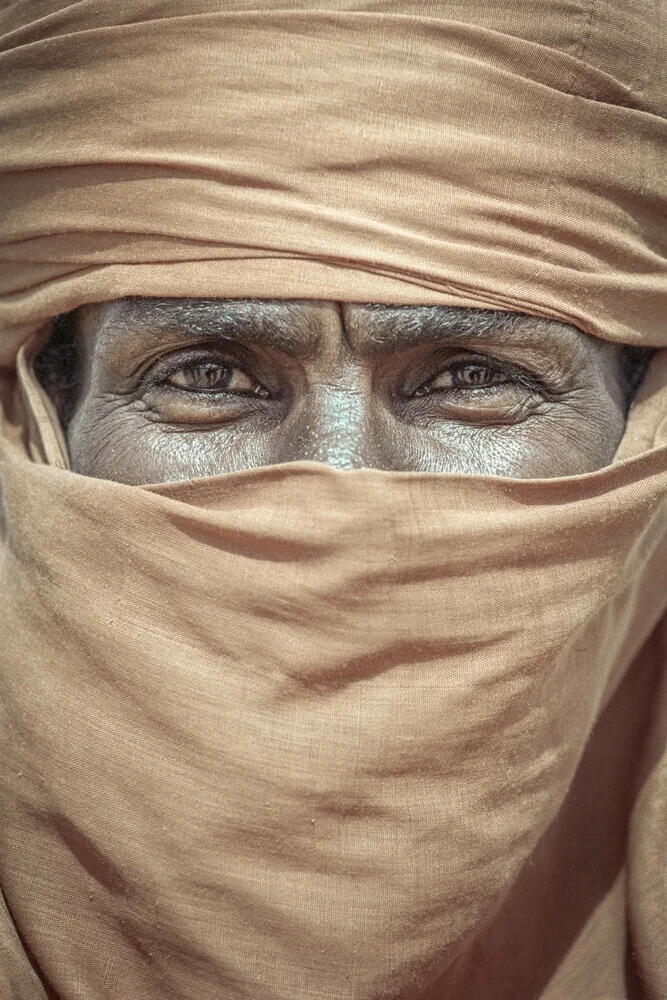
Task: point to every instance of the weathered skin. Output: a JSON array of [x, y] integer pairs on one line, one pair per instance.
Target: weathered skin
[[179, 389]]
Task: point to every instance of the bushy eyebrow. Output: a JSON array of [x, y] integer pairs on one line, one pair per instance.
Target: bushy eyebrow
[[289, 327], [399, 327], [263, 322]]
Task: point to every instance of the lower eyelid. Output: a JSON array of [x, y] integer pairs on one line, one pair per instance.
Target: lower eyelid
[[211, 394]]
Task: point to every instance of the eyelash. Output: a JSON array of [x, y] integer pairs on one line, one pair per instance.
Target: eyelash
[[163, 370], [509, 373]]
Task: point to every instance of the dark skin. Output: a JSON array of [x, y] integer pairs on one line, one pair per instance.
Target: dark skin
[[179, 389]]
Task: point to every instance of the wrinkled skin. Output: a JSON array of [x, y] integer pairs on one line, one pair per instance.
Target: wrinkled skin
[[177, 389]]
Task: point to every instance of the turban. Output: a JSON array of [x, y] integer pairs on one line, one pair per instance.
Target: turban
[[295, 733], [495, 155]]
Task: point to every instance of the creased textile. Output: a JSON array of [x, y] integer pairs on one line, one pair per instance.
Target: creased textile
[[300, 734]]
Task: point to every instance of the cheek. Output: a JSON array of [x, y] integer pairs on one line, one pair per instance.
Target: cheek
[[117, 441], [559, 443], [570, 435]]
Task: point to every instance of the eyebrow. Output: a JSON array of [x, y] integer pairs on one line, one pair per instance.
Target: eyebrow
[[279, 324], [286, 326], [395, 327]]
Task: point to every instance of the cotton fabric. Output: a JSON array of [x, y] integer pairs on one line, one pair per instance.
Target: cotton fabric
[[298, 733], [374, 152]]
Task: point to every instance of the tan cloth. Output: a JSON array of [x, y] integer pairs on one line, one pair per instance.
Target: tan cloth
[[298, 734], [302, 733], [499, 154]]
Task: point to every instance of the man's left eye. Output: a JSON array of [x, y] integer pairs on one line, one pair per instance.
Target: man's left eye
[[211, 377], [472, 375]]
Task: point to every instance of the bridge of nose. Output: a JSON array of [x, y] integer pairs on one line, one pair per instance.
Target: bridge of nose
[[336, 415], [336, 423]]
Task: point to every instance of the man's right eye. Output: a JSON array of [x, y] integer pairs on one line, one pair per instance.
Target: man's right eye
[[209, 377]]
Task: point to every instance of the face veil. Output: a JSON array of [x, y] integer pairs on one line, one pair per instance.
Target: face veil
[[296, 732]]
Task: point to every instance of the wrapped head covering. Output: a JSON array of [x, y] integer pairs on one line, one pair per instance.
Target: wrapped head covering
[[298, 734], [503, 155]]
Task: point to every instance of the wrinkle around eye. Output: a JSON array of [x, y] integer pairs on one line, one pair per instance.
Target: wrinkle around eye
[[505, 400]]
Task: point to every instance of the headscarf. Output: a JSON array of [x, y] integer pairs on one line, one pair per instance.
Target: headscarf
[[296, 733]]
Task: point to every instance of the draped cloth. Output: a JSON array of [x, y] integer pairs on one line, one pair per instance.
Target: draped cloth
[[382, 151], [300, 734]]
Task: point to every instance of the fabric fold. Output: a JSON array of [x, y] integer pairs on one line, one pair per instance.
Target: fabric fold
[[446, 144], [291, 725], [299, 734]]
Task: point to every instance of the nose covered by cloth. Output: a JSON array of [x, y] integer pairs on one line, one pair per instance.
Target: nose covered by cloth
[[296, 733], [304, 733]]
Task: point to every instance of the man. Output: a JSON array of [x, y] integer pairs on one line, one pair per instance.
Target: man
[[153, 391], [334, 559]]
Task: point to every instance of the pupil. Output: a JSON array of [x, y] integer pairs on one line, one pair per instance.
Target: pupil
[[475, 375], [212, 376]]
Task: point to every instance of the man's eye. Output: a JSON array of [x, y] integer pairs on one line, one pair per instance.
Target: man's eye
[[472, 375], [211, 377]]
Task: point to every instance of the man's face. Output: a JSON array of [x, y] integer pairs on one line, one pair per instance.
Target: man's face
[[178, 389]]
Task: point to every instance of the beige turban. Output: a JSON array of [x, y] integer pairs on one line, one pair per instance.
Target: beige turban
[[503, 155], [300, 734]]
